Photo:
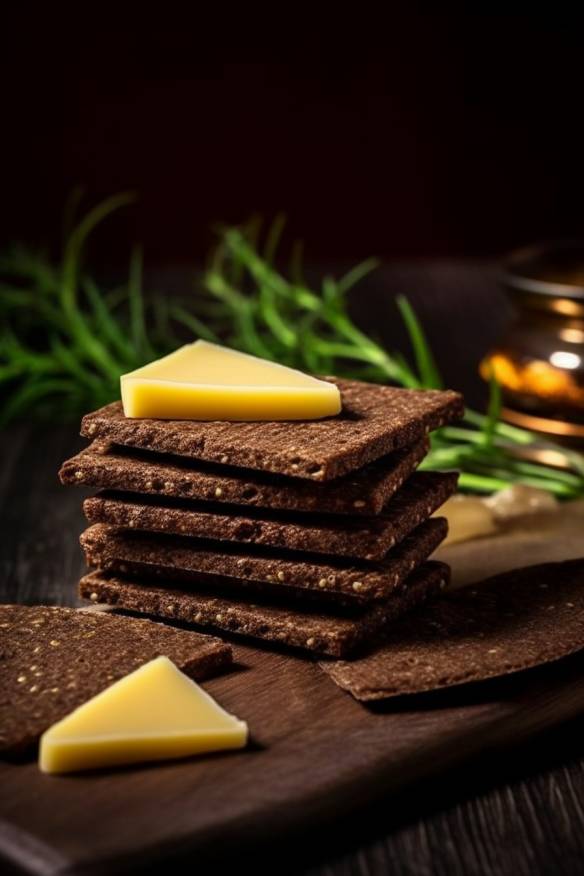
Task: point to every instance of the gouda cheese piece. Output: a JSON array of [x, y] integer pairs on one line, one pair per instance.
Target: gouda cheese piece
[[154, 713], [203, 381]]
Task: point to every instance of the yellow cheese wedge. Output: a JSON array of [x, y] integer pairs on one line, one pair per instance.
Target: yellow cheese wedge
[[203, 381], [154, 713]]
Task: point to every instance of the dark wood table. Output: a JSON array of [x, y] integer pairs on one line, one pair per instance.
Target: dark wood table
[[521, 813]]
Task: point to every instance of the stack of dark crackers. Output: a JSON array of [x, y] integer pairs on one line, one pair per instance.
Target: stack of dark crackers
[[311, 534]]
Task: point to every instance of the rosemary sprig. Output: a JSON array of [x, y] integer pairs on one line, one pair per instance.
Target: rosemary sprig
[[64, 341], [285, 320]]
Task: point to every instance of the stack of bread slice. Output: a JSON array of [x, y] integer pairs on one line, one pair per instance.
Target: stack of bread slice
[[310, 534]]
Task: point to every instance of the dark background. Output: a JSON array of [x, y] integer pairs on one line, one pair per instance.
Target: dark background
[[405, 135], [408, 136]]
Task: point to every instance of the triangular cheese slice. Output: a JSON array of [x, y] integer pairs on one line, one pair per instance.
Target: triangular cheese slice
[[203, 381], [154, 713]]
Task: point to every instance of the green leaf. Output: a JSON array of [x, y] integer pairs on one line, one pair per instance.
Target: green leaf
[[106, 325], [140, 341], [356, 274], [195, 325], [76, 241], [25, 397], [273, 238], [69, 362], [70, 211], [493, 411], [429, 375], [296, 264]]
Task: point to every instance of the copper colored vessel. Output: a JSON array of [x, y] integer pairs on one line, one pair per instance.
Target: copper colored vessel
[[540, 361]]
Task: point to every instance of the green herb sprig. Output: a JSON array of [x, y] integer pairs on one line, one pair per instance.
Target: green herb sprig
[[65, 341], [285, 320]]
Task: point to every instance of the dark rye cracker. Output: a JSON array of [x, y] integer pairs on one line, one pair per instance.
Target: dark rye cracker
[[364, 492], [54, 659], [318, 633], [190, 563], [375, 420], [513, 621], [360, 538]]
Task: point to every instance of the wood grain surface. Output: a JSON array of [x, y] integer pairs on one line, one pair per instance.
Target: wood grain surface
[[316, 754], [329, 787]]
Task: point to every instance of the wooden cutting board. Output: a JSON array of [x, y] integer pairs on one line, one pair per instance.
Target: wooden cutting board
[[315, 754]]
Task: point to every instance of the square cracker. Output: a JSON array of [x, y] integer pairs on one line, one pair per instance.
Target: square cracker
[[328, 634], [374, 421], [363, 492], [512, 621], [222, 566], [53, 659], [365, 538]]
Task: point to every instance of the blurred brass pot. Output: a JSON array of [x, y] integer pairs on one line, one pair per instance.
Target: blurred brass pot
[[540, 361]]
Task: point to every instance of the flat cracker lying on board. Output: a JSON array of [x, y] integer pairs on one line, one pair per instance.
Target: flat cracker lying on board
[[513, 621], [53, 659]]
